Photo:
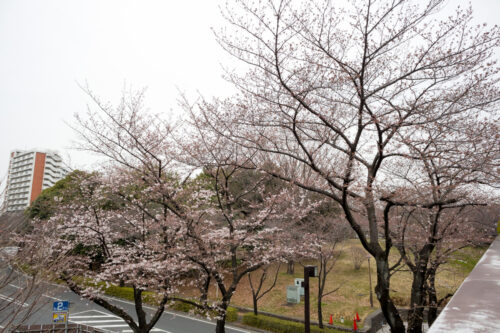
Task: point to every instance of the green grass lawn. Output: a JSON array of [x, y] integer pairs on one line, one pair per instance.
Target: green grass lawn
[[466, 259]]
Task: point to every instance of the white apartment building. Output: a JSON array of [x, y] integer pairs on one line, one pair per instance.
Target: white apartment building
[[30, 172]]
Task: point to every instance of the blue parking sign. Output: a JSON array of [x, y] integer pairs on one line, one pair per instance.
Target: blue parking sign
[[60, 306]]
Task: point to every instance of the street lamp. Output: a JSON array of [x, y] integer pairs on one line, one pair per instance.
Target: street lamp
[[309, 271], [370, 277]]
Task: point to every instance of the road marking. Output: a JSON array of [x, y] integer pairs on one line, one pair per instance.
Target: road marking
[[127, 302], [44, 295], [104, 314], [171, 313], [8, 299], [237, 329], [88, 317], [152, 330], [178, 315], [54, 298], [103, 320], [98, 321], [107, 315]]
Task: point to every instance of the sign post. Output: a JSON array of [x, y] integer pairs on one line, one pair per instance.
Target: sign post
[[60, 313], [309, 271]]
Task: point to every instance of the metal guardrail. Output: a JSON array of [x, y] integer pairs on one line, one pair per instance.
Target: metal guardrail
[[57, 328]]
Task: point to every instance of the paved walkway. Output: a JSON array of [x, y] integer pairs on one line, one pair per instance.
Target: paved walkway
[[475, 307]]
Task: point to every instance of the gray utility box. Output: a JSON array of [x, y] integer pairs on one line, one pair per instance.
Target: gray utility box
[[293, 294], [300, 283]]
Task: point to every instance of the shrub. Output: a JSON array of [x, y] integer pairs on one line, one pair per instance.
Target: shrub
[[126, 293], [400, 300], [182, 307], [120, 292], [231, 315], [358, 256], [279, 325], [152, 299]]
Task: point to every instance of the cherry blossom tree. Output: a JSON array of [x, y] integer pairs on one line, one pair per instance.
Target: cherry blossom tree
[[426, 242], [234, 239], [221, 218], [323, 231], [96, 239], [457, 238], [443, 176], [327, 236], [260, 289], [343, 90], [357, 257], [249, 211]]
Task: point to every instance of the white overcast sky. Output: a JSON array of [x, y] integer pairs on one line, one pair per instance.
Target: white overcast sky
[[48, 46]]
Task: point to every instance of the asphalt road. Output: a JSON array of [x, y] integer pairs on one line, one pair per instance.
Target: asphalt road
[[86, 312]]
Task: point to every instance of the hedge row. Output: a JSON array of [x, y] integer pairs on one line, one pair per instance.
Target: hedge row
[[280, 326], [149, 297], [231, 314], [128, 294]]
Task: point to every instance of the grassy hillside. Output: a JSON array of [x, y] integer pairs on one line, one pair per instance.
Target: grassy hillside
[[354, 294]]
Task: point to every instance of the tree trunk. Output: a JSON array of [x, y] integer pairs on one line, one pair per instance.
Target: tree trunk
[[418, 290], [204, 290], [255, 312], [221, 323], [321, 288], [220, 327], [433, 302], [290, 267], [141, 315], [416, 313], [320, 312], [391, 314], [431, 315]]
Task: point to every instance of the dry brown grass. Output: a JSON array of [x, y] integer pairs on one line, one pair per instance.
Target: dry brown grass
[[354, 294]]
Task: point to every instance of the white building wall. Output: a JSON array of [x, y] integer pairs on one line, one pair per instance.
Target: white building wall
[[20, 176]]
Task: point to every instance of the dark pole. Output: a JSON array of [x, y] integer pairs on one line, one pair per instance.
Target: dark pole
[[370, 277], [307, 319], [309, 271]]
